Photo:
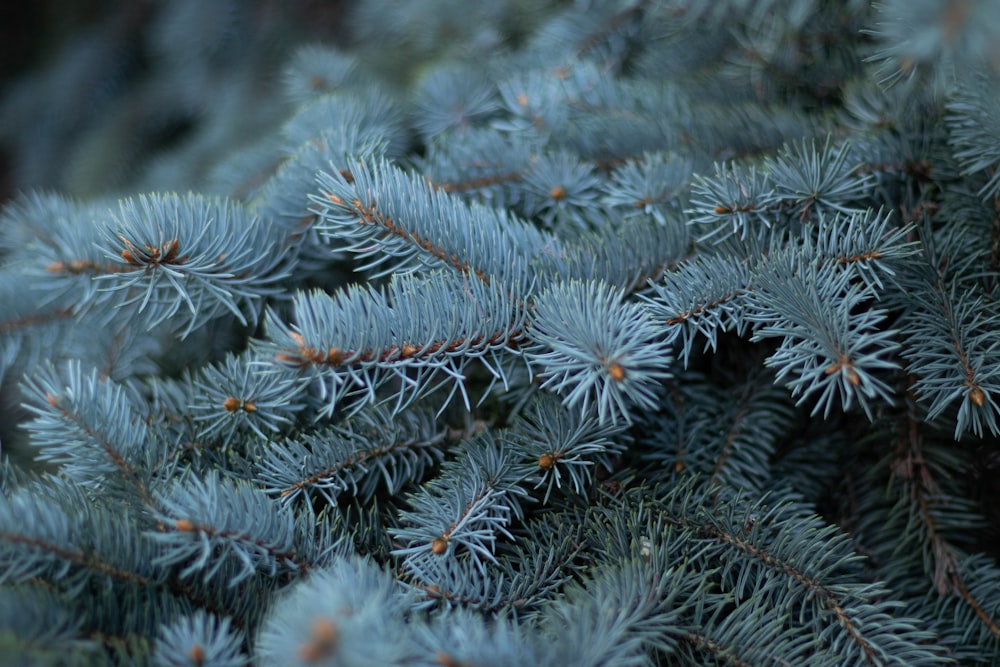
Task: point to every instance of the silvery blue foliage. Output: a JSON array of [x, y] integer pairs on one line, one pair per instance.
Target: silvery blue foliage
[[512, 333]]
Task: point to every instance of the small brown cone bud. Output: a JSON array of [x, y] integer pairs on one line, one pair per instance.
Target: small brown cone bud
[[184, 525], [439, 546], [616, 371], [977, 396], [324, 636]]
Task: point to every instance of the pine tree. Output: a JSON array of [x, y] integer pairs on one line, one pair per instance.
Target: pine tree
[[522, 333]]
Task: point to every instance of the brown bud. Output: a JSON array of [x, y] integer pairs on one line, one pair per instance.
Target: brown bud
[[325, 630], [977, 396], [558, 192], [546, 461], [184, 525], [616, 371], [231, 404], [439, 546], [325, 634]]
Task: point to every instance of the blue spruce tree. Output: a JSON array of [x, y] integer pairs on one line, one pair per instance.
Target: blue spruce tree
[[506, 333]]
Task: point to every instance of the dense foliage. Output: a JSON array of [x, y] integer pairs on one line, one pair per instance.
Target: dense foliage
[[509, 333]]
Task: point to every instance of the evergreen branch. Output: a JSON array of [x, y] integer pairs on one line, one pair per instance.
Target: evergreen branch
[[208, 522], [602, 350], [705, 644], [206, 254], [77, 267], [349, 609], [653, 185], [90, 426], [682, 434], [722, 633], [28, 331], [235, 397], [453, 97], [973, 600], [950, 351], [735, 202], [648, 607], [400, 220], [457, 584], [284, 198], [372, 450], [318, 70], [461, 637], [459, 514], [938, 511], [486, 164], [65, 542], [863, 242], [755, 423], [813, 184], [559, 445], [715, 293], [562, 191], [360, 338], [538, 564], [833, 351], [971, 126], [347, 122], [701, 296], [972, 608], [774, 539], [801, 186], [994, 261], [629, 255], [910, 464], [199, 639]]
